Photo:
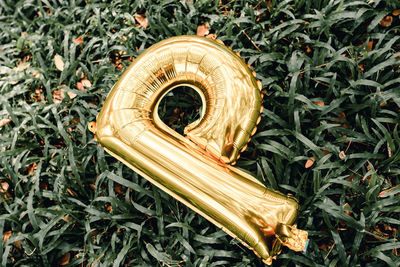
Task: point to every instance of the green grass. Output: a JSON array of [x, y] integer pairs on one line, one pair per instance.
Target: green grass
[[63, 196]]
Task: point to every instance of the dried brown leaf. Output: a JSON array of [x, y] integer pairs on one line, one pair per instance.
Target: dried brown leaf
[[71, 95], [119, 189], [389, 150], [369, 47], [18, 244], [141, 20], [58, 96], [35, 74], [43, 185], [4, 187], [86, 83], [59, 62], [22, 66], [386, 21], [310, 162], [6, 236], [380, 233], [72, 193], [109, 208], [4, 122], [32, 168], [203, 30], [323, 247], [82, 76], [80, 86], [381, 194], [347, 212], [66, 218], [308, 49], [396, 12], [37, 95], [64, 260], [269, 2], [78, 40]]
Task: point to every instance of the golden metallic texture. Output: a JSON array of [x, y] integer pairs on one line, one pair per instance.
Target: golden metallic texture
[[196, 170]]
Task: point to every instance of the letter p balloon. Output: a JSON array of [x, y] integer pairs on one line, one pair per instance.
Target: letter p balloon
[[197, 169]]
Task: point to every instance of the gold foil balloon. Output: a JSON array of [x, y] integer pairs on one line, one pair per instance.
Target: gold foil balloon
[[197, 170]]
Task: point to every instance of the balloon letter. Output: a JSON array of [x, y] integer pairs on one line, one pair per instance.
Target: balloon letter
[[197, 169]]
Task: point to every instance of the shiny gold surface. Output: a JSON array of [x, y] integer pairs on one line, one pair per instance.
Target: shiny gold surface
[[195, 170]]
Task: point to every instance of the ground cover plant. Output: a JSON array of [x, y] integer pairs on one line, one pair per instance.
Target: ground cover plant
[[329, 133]]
